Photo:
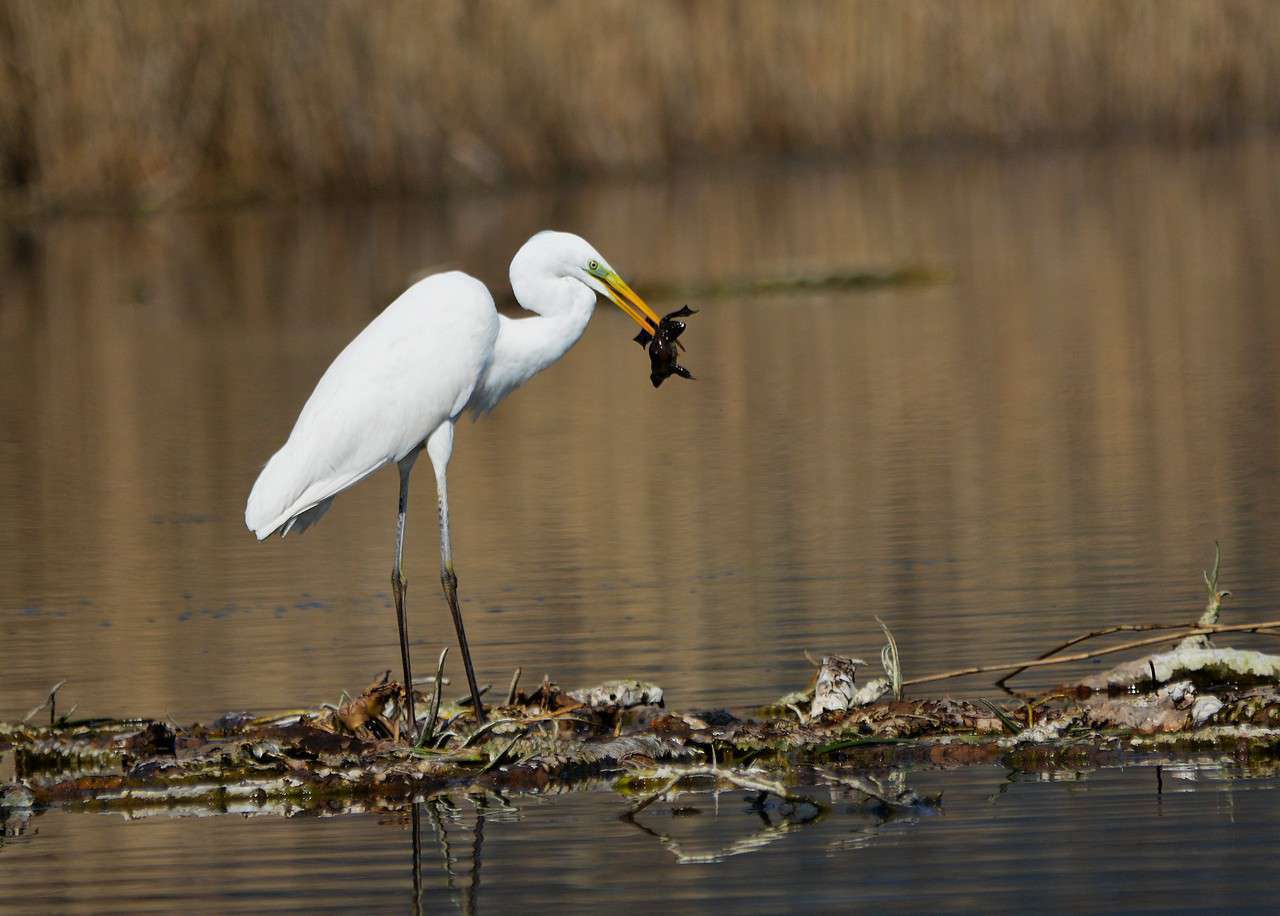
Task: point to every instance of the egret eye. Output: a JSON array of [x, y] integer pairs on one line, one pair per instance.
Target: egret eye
[[593, 266]]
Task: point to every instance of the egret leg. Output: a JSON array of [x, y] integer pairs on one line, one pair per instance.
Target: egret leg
[[440, 448], [399, 586]]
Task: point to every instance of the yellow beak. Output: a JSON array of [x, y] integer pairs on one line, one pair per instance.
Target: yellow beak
[[625, 298]]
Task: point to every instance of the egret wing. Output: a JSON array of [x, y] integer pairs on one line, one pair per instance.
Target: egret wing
[[411, 369]]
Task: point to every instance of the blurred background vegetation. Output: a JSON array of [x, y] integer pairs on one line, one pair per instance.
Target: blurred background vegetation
[[142, 104]]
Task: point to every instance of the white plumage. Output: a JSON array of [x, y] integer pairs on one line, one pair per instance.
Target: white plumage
[[412, 368], [400, 385]]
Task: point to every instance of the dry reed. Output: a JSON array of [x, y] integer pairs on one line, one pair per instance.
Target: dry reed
[[148, 103]]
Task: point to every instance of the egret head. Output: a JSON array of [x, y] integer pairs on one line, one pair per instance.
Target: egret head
[[560, 256]]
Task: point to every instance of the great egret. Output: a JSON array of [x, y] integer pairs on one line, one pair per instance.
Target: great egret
[[439, 349]]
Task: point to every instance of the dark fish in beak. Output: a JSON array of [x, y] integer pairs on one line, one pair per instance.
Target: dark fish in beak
[[664, 346]]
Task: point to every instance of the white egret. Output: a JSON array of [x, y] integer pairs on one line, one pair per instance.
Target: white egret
[[438, 350]]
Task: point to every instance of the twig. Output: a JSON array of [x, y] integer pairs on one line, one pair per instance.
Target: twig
[[1214, 605], [488, 726], [511, 691], [868, 788], [496, 760], [752, 843], [466, 701], [51, 701], [653, 797], [890, 661], [739, 779], [428, 732], [1083, 656], [847, 743], [1094, 634], [1208, 619], [558, 716], [1006, 720], [279, 716]]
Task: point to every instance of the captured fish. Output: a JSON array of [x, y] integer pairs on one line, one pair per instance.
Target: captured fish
[[663, 346]]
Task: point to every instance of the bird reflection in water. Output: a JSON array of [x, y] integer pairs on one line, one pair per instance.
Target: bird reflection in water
[[440, 812], [777, 819], [873, 802]]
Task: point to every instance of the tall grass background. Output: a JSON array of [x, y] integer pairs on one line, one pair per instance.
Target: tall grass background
[[149, 103]]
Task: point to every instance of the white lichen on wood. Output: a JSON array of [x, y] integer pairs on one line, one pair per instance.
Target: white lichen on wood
[[1187, 660], [835, 690], [619, 694]]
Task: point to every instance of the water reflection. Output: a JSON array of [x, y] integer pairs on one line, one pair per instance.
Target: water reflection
[[440, 812], [476, 851], [442, 840], [777, 819], [443, 815]]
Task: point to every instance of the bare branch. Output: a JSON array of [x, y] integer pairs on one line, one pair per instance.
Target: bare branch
[[1083, 656]]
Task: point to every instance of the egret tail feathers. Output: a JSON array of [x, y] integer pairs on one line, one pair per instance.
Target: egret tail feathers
[[304, 520], [284, 501]]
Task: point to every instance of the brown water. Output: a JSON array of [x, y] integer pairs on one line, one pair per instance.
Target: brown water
[[1047, 441]]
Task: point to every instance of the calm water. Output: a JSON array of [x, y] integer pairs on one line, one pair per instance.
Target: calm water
[[1075, 843], [1046, 441]]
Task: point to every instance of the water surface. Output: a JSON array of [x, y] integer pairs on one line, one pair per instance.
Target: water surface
[[1102, 841], [1047, 440]]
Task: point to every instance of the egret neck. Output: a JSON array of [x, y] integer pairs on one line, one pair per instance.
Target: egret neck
[[526, 346]]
